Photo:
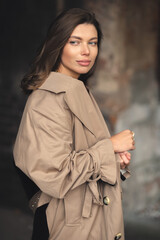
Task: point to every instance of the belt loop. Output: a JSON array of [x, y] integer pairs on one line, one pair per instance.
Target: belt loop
[[86, 212], [96, 193]]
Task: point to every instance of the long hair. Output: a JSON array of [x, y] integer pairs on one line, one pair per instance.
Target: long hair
[[49, 56]]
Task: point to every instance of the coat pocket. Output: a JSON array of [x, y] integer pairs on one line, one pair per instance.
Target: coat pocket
[[73, 203]]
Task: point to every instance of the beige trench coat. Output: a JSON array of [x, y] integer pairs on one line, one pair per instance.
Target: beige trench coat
[[63, 145]]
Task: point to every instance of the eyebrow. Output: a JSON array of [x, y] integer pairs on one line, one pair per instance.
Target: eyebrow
[[79, 38]]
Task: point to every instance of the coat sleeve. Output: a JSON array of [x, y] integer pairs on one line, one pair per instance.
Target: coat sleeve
[[44, 151]]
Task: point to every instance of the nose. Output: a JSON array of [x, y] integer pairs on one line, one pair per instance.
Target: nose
[[85, 49]]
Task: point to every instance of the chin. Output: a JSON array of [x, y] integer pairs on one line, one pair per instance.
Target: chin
[[85, 71]]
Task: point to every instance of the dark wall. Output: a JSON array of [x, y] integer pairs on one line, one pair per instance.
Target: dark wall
[[22, 29]]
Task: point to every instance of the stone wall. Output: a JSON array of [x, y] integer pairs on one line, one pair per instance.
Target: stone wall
[[126, 88]]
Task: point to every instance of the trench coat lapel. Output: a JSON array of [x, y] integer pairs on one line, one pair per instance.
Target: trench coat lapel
[[81, 105], [76, 97]]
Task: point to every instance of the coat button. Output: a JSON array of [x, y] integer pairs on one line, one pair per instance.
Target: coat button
[[118, 236], [106, 200]]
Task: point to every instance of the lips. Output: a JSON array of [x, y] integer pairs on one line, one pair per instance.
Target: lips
[[84, 62]]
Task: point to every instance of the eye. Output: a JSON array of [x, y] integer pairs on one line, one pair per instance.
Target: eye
[[93, 43], [75, 43]]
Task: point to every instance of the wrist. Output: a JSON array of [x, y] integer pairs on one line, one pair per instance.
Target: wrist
[[113, 144]]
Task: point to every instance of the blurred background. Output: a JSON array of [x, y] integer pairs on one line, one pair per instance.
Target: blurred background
[[126, 86]]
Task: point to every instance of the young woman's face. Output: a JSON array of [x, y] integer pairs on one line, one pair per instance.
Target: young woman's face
[[80, 52]]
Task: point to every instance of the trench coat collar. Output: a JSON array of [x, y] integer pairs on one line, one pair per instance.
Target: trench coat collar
[[76, 96]]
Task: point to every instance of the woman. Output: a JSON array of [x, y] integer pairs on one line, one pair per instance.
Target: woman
[[63, 144]]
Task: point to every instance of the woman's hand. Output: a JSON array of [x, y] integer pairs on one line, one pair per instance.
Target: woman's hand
[[125, 159], [123, 141]]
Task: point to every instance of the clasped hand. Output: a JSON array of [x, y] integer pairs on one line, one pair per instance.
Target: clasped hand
[[122, 143]]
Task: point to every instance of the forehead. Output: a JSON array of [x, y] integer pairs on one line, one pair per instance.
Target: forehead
[[85, 30]]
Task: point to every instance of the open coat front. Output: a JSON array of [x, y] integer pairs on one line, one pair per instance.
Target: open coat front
[[63, 145]]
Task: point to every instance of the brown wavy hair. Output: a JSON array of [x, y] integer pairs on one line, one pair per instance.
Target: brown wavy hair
[[49, 55]]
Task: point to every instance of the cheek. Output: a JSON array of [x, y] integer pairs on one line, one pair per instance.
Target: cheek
[[67, 53], [95, 53]]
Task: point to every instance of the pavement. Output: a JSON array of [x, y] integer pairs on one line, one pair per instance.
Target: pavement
[[15, 224], [142, 228]]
